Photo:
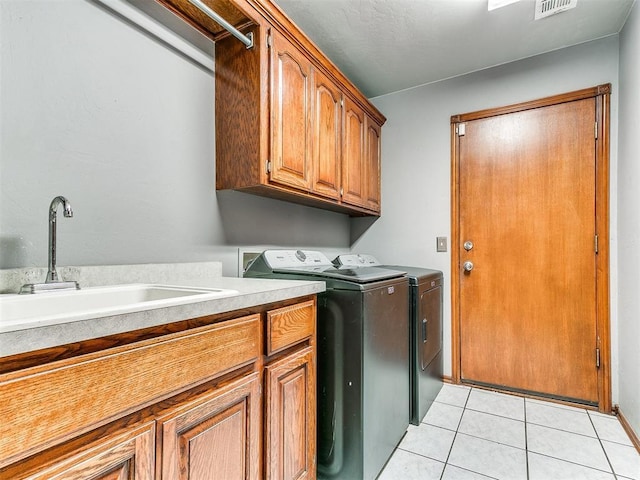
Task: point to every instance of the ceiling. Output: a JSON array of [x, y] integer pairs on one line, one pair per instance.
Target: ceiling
[[385, 46]]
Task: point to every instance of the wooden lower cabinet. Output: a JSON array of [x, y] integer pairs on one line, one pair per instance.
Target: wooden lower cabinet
[[290, 417], [215, 436], [231, 400]]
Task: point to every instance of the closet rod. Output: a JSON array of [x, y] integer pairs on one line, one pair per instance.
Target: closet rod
[[246, 39]]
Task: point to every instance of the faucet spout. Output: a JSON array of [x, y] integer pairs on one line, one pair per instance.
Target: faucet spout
[[52, 274]]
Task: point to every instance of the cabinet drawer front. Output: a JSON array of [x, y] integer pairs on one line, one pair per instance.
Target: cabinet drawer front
[[289, 325], [43, 405]]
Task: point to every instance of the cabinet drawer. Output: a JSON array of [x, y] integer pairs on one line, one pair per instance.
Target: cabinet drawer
[[289, 325], [44, 405]]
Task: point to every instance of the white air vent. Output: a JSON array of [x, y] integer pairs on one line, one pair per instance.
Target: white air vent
[[544, 8]]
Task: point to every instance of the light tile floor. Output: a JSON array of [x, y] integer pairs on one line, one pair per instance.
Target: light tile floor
[[473, 434]]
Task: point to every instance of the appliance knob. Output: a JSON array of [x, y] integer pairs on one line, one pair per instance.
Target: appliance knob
[[300, 255]]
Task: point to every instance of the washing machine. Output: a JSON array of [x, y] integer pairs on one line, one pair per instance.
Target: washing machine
[[362, 359], [425, 307]]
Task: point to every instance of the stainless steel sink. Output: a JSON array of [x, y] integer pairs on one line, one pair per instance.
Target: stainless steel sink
[[25, 311]]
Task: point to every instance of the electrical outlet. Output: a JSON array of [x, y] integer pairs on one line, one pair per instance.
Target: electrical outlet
[[441, 244]]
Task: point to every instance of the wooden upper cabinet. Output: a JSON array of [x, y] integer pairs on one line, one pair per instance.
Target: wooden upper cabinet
[[327, 135], [360, 158], [291, 115], [372, 160], [280, 118], [353, 164]]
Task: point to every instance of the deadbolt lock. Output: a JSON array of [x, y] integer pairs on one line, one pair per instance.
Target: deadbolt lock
[[468, 245]]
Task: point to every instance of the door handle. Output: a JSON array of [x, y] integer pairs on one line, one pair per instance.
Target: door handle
[[424, 330], [467, 266]]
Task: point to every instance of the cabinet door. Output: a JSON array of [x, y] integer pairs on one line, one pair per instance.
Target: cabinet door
[[291, 417], [216, 435], [353, 150], [127, 455], [372, 160], [327, 145], [291, 115]]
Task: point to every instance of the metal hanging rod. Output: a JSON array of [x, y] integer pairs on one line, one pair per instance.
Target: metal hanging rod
[[246, 39]]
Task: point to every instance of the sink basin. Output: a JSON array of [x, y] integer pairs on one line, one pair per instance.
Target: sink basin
[[27, 311]]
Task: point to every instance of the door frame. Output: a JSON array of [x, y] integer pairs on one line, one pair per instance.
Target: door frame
[[601, 94]]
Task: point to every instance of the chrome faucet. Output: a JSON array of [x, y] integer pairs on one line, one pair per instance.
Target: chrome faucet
[[52, 274], [52, 282]]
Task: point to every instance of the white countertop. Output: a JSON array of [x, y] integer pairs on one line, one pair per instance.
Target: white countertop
[[251, 292]]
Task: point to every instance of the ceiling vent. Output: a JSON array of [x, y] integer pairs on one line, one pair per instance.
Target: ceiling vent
[[544, 8]]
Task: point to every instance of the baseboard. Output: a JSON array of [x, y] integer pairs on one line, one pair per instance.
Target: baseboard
[[627, 427], [447, 379]]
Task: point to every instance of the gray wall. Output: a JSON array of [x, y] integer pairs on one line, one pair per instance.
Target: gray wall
[[629, 221], [417, 158], [95, 109]]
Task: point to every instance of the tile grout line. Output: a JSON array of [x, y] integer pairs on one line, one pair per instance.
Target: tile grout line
[[455, 434], [615, 475], [526, 437]]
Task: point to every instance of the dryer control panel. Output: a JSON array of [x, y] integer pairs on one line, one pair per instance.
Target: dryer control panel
[[356, 260]]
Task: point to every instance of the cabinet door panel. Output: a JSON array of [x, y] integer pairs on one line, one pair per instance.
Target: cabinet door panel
[[291, 417], [327, 142], [372, 159], [353, 166], [215, 436], [122, 456], [291, 115]]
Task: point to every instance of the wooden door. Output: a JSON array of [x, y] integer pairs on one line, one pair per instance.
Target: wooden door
[[372, 161], [327, 142], [125, 455], [291, 420], [291, 115], [527, 204], [353, 150], [214, 436]]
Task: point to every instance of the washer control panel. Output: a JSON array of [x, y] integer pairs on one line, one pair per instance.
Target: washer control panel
[[278, 259]]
